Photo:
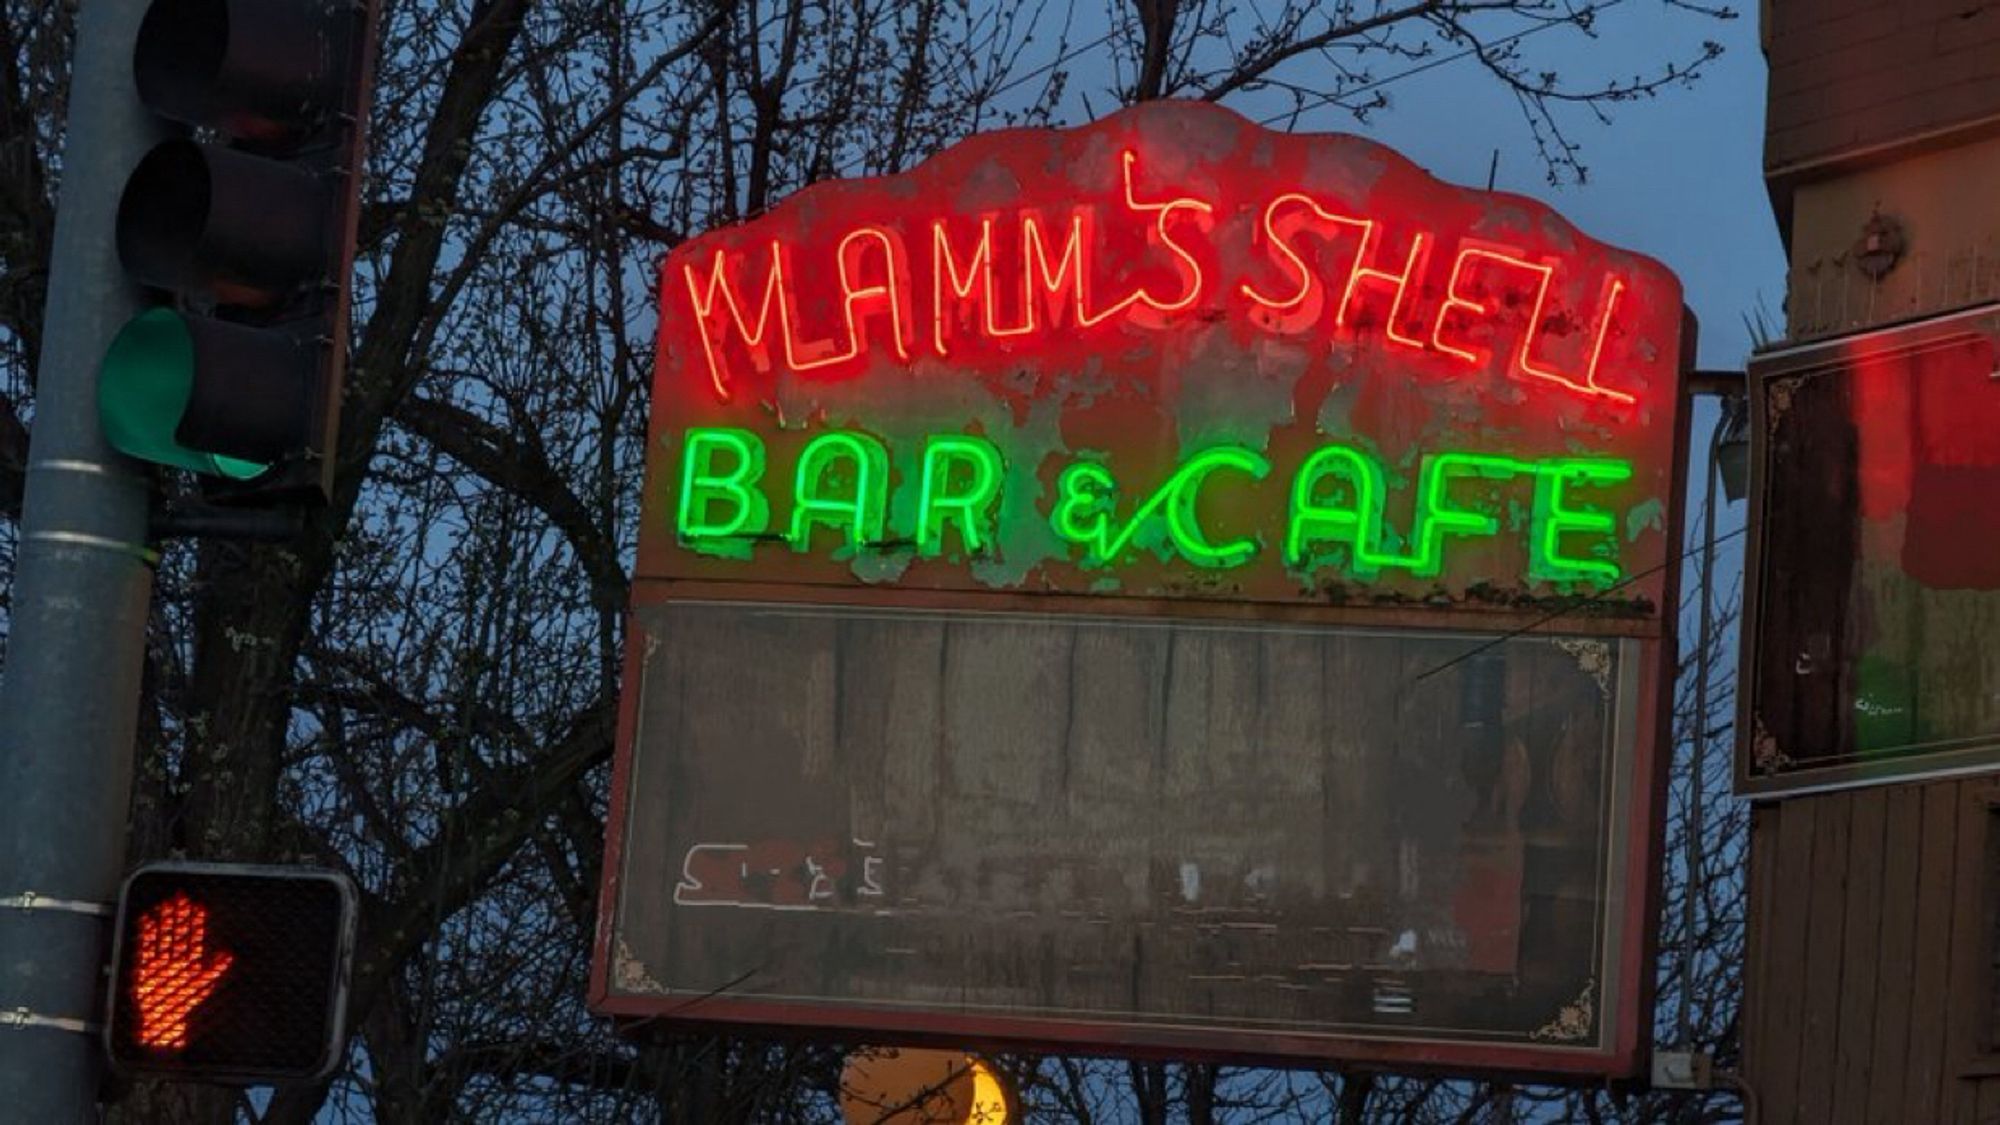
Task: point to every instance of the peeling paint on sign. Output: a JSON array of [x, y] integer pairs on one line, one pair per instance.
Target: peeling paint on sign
[[1157, 350]]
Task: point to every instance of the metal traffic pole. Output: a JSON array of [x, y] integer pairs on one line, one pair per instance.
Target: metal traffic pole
[[69, 691]]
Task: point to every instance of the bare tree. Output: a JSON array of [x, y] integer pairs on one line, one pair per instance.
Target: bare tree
[[421, 689]]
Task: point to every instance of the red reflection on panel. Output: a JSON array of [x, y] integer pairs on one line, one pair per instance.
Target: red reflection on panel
[[1953, 536], [1925, 423]]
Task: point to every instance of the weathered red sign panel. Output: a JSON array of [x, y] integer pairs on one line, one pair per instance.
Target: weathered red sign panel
[[1875, 562], [1038, 553], [1168, 354]]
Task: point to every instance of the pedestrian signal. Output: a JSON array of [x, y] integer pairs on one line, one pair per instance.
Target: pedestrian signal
[[231, 973]]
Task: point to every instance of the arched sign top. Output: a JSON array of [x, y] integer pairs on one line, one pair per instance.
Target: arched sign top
[[1064, 358]]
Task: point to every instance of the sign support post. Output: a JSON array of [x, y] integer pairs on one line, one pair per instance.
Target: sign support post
[[68, 701]]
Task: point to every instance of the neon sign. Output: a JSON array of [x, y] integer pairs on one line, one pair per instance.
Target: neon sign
[[1167, 354], [1094, 467], [1052, 291], [1337, 513]]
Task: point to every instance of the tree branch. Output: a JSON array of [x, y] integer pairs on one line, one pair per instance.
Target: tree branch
[[515, 460], [1281, 49]]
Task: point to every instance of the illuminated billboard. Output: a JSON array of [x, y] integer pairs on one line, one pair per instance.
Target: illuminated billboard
[[1098, 539]]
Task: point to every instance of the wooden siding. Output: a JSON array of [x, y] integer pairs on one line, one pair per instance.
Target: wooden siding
[[1869, 995]]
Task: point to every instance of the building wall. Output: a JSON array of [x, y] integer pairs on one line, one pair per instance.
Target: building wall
[[1869, 986], [1851, 77], [1946, 203], [1870, 990]]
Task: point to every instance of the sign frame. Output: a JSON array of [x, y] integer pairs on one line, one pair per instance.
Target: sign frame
[[1762, 771], [1639, 886], [1636, 888]]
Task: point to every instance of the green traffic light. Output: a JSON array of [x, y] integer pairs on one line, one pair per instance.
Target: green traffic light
[[143, 389]]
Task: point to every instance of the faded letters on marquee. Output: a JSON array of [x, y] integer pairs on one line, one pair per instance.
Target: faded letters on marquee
[[1171, 353]]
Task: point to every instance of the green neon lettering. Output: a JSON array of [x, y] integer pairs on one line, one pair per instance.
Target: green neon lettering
[[1085, 497], [1338, 497], [938, 504], [1552, 521], [1184, 525], [703, 487], [1360, 524], [840, 458], [1436, 518], [1087, 501], [1356, 524]]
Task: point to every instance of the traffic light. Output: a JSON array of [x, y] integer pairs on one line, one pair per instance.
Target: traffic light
[[230, 973], [243, 223]]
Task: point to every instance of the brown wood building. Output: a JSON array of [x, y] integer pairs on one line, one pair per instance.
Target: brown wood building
[[1874, 888]]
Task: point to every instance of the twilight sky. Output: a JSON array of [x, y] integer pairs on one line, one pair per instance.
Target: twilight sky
[[1677, 176]]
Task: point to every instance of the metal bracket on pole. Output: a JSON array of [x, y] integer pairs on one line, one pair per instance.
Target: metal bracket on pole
[[182, 519], [30, 900], [138, 551], [144, 552], [21, 1019]]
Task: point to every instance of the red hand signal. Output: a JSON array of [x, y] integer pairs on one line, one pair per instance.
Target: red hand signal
[[174, 974]]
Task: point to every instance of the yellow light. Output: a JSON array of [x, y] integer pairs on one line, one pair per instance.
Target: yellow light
[[905, 1086], [989, 1099]]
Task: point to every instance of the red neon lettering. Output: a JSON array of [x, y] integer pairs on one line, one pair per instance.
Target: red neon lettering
[[1522, 360], [815, 352], [1454, 300], [1413, 267], [1071, 278], [704, 307], [889, 293], [978, 275], [1299, 311], [1067, 274], [1613, 287], [873, 275], [1189, 268]]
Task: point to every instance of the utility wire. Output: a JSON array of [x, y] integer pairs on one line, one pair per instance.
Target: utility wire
[[1565, 611]]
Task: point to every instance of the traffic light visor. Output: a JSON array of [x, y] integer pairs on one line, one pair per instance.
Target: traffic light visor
[[143, 390], [263, 70], [238, 229]]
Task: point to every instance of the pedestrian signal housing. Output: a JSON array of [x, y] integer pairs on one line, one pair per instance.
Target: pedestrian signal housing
[[231, 973]]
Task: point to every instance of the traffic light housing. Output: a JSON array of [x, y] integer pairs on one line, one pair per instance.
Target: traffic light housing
[[243, 225], [231, 973]]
